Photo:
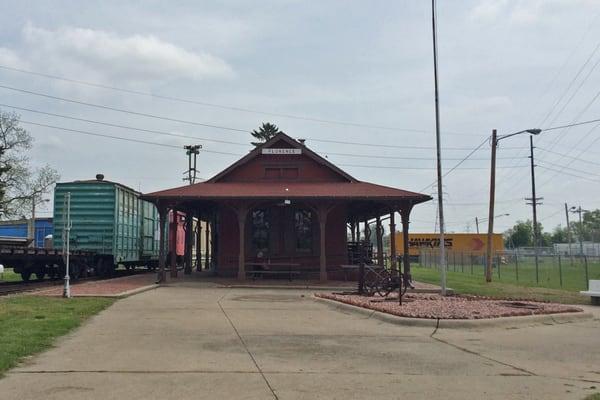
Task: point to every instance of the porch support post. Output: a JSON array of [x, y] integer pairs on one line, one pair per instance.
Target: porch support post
[[353, 231], [207, 243], [393, 241], [162, 256], [357, 225], [199, 244], [173, 240], [405, 214], [189, 240], [322, 212], [242, 213], [379, 234]]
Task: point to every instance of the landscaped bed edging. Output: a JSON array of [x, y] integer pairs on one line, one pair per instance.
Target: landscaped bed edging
[[507, 322]]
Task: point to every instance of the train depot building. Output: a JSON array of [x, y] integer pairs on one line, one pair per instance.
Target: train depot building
[[283, 208]]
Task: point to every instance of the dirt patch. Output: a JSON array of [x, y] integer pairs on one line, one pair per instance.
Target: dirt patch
[[434, 306]]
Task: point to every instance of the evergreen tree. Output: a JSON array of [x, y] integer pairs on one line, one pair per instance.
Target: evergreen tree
[[266, 131]]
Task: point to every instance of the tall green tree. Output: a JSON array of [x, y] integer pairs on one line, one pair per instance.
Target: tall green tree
[[265, 132], [520, 235], [20, 185]]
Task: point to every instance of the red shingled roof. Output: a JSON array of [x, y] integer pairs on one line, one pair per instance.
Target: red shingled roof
[[291, 190]]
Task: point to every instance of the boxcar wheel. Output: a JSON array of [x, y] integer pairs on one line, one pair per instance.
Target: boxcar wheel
[[100, 268], [75, 271], [26, 275], [40, 274]]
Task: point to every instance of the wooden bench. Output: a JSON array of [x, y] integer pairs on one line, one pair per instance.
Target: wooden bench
[[272, 268], [593, 291]]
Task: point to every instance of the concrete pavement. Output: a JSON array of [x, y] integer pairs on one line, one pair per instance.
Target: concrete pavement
[[192, 340]]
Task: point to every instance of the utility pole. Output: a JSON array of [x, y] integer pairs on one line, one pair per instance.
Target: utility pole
[[192, 171], [189, 216], [495, 140], [534, 201], [569, 233], [66, 244], [31, 225], [488, 264], [438, 153], [477, 224], [579, 210]]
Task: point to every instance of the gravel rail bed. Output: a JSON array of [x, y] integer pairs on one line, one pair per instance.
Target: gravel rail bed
[[434, 306]]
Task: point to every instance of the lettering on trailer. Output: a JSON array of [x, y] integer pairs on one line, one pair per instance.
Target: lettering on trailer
[[429, 242], [282, 151]]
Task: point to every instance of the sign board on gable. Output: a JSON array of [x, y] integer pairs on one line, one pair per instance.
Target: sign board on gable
[[282, 151]]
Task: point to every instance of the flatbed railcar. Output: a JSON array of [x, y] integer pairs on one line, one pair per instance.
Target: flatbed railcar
[[42, 262]]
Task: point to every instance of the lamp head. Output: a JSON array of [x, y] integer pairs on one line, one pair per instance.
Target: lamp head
[[536, 131]]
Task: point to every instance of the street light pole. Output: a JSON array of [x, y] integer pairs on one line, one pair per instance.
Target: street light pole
[[495, 140], [488, 269]]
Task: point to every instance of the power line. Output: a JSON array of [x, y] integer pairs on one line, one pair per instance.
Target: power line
[[558, 171], [591, 121], [421, 168], [121, 110], [218, 140], [576, 145], [119, 137], [327, 153], [578, 88], [567, 167], [458, 164], [394, 146], [221, 106], [100, 106], [204, 150], [122, 126], [567, 156], [564, 93]]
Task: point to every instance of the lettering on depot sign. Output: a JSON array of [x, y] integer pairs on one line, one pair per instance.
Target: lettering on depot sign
[[430, 242]]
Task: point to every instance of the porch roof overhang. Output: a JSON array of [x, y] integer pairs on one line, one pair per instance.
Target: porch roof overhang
[[350, 191]]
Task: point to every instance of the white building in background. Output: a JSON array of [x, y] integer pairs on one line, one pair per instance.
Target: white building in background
[[590, 249]]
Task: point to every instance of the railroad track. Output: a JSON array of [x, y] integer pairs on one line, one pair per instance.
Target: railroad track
[[7, 288]]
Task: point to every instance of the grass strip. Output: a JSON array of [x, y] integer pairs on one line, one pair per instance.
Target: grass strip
[[30, 324], [476, 285]]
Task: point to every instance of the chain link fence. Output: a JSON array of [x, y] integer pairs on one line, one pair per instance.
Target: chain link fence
[[556, 271]]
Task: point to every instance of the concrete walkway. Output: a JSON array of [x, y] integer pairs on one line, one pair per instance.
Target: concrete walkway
[[193, 341]]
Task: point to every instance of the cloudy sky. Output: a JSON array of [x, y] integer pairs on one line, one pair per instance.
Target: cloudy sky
[[351, 72]]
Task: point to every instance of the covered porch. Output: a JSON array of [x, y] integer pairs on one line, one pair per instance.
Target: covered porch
[[310, 230]]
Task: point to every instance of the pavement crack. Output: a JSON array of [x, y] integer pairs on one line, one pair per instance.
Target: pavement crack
[[248, 351], [464, 349], [437, 325]]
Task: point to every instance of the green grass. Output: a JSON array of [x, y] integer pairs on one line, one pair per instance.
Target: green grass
[[551, 274], [475, 284], [10, 276], [595, 396], [29, 324]]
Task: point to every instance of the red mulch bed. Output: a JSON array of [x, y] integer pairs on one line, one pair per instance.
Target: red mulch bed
[[105, 287], [434, 306]]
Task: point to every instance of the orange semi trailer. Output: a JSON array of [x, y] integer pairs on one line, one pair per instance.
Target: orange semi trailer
[[455, 242]]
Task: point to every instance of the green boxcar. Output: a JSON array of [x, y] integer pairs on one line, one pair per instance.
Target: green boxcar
[[108, 219]]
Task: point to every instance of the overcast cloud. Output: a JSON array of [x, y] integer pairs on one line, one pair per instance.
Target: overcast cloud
[[504, 64]]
